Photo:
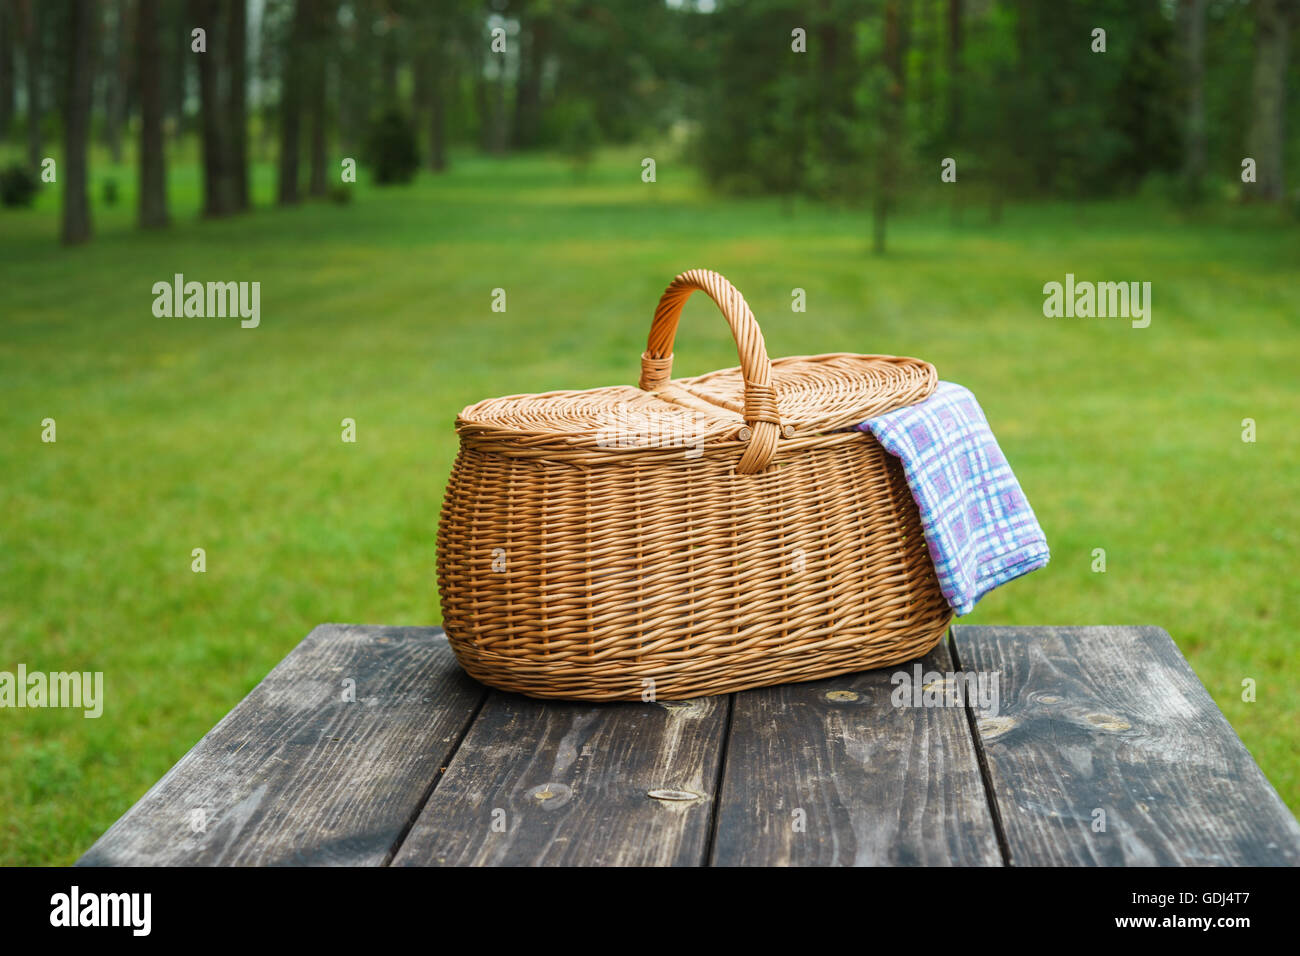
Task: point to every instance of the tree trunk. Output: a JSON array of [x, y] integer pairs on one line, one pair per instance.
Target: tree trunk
[[318, 54], [956, 43], [928, 43], [389, 65], [266, 69], [481, 106], [177, 79], [438, 110], [421, 64], [895, 59], [115, 89], [8, 28], [33, 39], [500, 130], [291, 105], [355, 83], [216, 182], [528, 95], [1191, 29], [236, 107], [1267, 138], [76, 122], [317, 185], [153, 169], [828, 65]]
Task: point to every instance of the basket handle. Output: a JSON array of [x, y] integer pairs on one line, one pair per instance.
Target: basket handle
[[761, 413]]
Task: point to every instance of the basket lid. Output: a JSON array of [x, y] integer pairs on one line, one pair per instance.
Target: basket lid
[[757, 403], [814, 393]]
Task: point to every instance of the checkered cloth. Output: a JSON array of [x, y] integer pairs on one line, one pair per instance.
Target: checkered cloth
[[978, 523]]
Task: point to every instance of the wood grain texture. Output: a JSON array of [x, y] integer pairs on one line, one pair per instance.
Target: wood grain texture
[[1113, 719], [876, 784], [550, 783], [297, 775]]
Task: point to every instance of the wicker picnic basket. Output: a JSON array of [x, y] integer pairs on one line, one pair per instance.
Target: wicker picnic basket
[[691, 536]]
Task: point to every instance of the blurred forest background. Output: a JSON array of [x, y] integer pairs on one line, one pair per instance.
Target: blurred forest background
[[1023, 95], [502, 144]]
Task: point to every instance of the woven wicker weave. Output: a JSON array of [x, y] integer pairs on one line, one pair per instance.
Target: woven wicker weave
[[691, 536]]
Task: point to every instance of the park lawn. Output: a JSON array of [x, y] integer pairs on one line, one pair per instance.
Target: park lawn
[[175, 434]]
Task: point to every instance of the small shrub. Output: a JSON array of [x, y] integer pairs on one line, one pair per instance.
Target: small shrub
[[393, 152], [17, 186], [341, 194], [109, 192]]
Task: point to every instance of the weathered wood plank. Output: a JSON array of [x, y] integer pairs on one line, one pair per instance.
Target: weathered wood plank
[[869, 783], [295, 774], [552, 783], [1113, 719]]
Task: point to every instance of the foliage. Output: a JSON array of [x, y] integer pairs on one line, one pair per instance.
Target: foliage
[[1041, 113], [17, 186], [393, 154]]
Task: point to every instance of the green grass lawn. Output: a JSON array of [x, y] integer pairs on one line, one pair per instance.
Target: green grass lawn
[[175, 434]]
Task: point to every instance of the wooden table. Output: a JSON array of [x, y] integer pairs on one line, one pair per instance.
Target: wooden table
[[368, 746]]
